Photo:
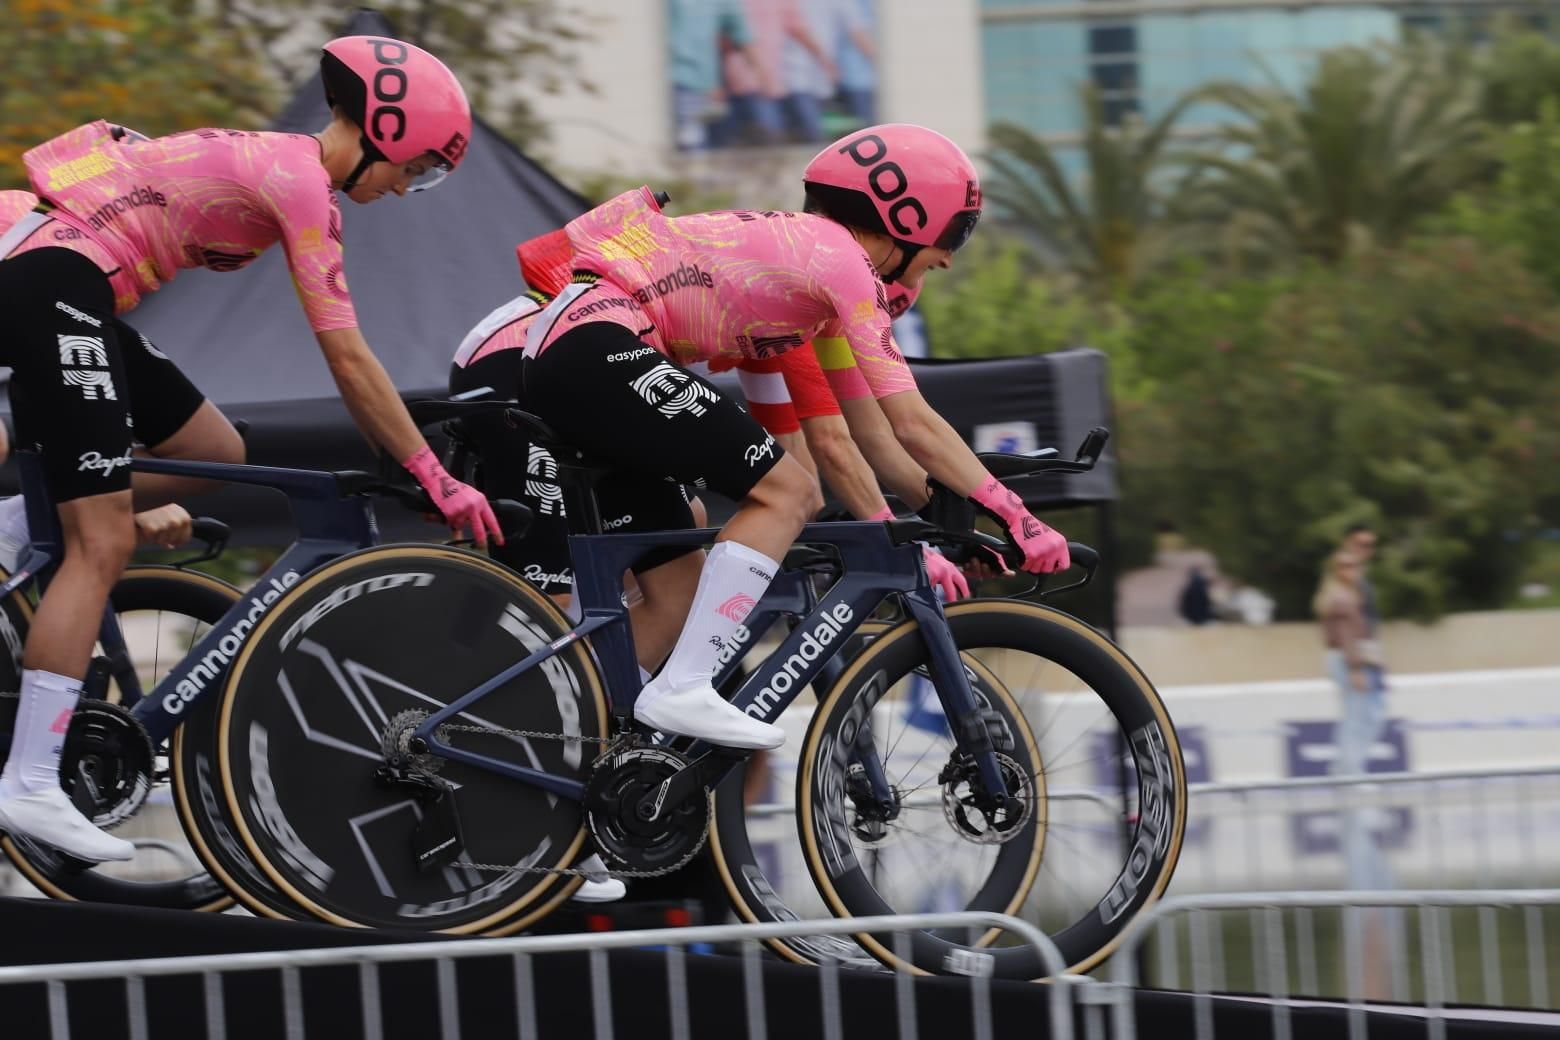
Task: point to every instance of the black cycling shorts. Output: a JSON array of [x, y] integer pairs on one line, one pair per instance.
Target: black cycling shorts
[[509, 465], [85, 386], [622, 402]]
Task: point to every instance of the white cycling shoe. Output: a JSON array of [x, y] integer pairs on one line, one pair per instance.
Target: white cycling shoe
[[49, 818], [698, 711], [602, 889]]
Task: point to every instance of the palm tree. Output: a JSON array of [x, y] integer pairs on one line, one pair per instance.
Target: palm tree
[[1366, 149], [1105, 229]]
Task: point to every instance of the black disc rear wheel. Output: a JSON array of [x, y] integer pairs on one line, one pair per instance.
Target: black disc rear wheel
[[316, 709]]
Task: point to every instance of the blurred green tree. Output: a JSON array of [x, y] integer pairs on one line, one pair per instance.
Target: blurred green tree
[[1374, 142], [1413, 388], [64, 62], [1106, 226], [1520, 70], [1521, 209]]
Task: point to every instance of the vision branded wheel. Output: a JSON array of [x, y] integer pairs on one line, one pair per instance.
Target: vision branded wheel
[[161, 613], [758, 853], [1064, 705], [333, 799]]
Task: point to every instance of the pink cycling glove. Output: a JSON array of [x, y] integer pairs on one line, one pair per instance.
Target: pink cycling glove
[[942, 573], [463, 506], [1045, 550]]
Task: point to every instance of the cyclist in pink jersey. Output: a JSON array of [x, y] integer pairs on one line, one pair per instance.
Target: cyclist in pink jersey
[[653, 293], [116, 215]]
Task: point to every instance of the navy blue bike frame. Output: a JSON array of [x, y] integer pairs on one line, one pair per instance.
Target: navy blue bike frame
[[877, 570], [329, 526]]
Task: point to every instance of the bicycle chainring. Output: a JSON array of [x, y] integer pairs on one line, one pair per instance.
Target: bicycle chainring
[[627, 842], [107, 765]]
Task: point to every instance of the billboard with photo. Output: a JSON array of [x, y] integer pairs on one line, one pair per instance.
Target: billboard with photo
[[751, 73]]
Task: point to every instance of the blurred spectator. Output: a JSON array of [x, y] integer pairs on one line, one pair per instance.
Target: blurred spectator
[[1339, 605], [1196, 603], [700, 32], [808, 69], [1360, 542], [754, 87], [857, 61]]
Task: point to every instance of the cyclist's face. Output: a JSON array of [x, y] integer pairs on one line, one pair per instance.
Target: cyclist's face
[[924, 261], [388, 178]]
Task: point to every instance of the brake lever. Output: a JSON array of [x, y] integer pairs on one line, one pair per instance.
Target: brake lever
[[214, 533]]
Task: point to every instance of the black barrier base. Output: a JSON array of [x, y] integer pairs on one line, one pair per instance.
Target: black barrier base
[[486, 1006]]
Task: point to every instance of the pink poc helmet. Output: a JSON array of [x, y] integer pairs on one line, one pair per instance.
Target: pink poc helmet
[[406, 101], [905, 181]]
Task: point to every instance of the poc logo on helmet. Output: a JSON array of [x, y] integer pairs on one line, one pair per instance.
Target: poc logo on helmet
[[389, 87], [887, 181]]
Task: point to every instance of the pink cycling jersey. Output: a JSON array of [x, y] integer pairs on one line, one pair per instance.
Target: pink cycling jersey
[[141, 209], [503, 329], [732, 284]]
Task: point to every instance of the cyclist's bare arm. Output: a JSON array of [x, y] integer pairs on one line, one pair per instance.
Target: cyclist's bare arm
[[932, 443], [370, 397], [873, 435]]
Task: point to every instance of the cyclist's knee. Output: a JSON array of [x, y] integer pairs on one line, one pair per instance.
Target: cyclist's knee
[[790, 491], [701, 514], [101, 536]]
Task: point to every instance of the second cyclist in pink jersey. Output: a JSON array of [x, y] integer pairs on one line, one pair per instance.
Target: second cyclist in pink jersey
[[115, 215], [604, 366]]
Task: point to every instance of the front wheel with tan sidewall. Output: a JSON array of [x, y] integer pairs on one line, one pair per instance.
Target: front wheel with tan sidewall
[[1071, 716], [161, 613], [328, 688]]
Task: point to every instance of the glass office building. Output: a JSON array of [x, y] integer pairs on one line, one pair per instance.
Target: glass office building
[[1144, 55]]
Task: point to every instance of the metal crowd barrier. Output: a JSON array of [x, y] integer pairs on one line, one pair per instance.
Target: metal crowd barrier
[[211, 969], [1373, 925]]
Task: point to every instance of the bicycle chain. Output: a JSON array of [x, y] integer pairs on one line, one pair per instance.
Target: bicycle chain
[[510, 868]]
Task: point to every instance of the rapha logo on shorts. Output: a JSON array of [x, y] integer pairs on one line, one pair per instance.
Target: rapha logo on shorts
[[84, 363], [754, 452], [673, 391], [78, 315], [94, 460]]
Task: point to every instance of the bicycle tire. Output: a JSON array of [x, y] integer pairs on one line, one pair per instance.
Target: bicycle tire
[[1118, 688], [205, 600], [330, 653], [745, 870]]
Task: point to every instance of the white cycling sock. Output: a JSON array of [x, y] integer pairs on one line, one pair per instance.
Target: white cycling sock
[[732, 582], [34, 761], [13, 519]]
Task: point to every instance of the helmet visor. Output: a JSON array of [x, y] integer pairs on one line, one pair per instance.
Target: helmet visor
[[960, 227], [432, 176]]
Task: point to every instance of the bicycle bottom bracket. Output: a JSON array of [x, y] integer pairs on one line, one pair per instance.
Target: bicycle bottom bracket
[[614, 795], [107, 763], [977, 817]]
